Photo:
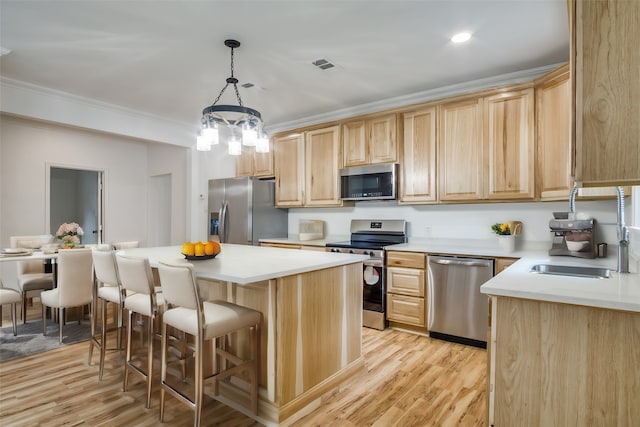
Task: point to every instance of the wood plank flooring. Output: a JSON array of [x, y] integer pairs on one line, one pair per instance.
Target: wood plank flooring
[[411, 381]]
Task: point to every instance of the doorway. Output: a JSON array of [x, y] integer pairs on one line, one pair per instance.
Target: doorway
[[75, 195]]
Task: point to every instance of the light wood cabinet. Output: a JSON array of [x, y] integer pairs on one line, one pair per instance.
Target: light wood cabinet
[[370, 141], [406, 289], [460, 150], [553, 133], [418, 160], [281, 245], [307, 168], [486, 147], [322, 166], [250, 163], [504, 263], [509, 171], [605, 69], [289, 170], [555, 364]]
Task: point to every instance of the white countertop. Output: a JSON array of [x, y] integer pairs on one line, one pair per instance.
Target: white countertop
[[244, 264], [469, 247], [619, 292]]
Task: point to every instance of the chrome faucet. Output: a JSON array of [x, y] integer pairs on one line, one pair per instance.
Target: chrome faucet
[[623, 236], [623, 231]]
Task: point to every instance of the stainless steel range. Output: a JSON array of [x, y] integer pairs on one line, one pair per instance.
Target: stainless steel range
[[369, 237]]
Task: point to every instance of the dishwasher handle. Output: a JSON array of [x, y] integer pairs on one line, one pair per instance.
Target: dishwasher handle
[[466, 263]]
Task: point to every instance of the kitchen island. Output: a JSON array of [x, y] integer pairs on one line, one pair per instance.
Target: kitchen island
[[563, 350], [312, 319]]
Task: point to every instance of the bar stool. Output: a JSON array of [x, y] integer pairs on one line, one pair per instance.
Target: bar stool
[[106, 289], [205, 321], [135, 276]]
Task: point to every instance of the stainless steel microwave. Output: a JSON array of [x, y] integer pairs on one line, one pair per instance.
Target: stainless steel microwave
[[376, 182]]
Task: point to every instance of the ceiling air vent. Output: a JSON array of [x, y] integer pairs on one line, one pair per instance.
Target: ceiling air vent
[[247, 85], [323, 64]]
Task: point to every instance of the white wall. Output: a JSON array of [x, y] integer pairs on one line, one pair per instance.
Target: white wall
[[27, 146], [463, 221]]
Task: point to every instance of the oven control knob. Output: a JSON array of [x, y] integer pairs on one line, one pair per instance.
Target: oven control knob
[[351, 251]]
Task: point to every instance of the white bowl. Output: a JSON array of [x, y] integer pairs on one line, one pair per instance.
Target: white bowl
[[577, 246]]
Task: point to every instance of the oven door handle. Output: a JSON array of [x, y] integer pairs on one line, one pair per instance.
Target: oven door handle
[[373, 262]]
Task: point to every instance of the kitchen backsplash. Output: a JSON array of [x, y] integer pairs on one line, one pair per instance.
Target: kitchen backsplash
[[466, 221]]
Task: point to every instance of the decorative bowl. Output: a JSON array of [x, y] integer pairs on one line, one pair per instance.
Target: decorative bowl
[[199, 258]]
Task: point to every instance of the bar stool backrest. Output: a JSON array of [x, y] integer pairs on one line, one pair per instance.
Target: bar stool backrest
[[135, 274], [179, 286], [105, 268]]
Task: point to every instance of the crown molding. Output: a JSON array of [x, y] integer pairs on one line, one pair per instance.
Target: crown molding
[[40, 103], [415, 98]]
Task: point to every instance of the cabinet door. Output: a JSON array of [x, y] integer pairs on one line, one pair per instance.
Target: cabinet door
[[244, 162], [404, 309], [606, 68], [406, 281], [418, 175], [322, 152], [504, 263], [289, 168], [460, 150], [354, 144], [383, 139], [263, 163], [553, 114], [509, 145]]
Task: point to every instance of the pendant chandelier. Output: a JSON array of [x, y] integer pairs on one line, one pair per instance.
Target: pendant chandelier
[[240, 125]]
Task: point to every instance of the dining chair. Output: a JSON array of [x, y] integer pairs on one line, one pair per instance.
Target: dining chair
[[186, 311], [137, 281], [12, 297], [31, 273], [126, 245], [106, 289], [74, 287]]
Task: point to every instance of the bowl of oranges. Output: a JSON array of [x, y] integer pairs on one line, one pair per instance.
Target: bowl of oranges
[[200, 250]]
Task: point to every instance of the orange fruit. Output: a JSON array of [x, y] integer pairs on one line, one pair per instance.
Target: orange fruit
[[216, 247], [189, 249], [208, 248], [199, 249]]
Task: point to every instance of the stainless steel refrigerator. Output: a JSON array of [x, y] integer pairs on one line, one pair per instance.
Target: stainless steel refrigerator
[[242, 211]]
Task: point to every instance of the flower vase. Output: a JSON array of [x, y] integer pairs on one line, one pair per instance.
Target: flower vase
[[507, 242]]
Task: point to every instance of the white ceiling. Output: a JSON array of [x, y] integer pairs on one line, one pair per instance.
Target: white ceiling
[[167, 58]]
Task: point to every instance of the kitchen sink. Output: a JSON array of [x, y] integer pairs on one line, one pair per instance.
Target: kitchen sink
[[570, 270]]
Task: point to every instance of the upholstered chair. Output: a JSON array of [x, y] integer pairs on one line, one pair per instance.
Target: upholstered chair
[[74, 287], [31, 273], [206, 321], [106, 289], [12, 297]]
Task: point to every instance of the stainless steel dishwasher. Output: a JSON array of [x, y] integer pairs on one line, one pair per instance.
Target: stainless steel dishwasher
[[457, 310]]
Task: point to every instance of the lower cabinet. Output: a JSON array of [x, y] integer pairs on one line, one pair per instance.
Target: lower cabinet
[[406, 290]]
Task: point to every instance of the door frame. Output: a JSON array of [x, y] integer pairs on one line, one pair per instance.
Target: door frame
[[102, 190]]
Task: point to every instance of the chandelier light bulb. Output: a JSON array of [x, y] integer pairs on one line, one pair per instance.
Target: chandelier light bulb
[[262, 144], [249, 136], [211, 135], [202, 143], [235, 146]]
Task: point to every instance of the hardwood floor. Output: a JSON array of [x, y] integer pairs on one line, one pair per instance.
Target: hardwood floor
[[411, 381]]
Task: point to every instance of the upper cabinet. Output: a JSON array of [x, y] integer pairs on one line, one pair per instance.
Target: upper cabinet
[[509, 170], [460, 148], [250, 163], [322, 178], [605, 69], [370, 141], [486, 147], [307, 168], [289, 168], [418, 160], [553, 133]]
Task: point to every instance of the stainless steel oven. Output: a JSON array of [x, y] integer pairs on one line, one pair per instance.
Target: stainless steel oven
[[369, 237]]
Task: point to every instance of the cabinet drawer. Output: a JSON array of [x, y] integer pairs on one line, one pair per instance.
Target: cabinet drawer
[[406, 259], [404, 309], [405, 281]]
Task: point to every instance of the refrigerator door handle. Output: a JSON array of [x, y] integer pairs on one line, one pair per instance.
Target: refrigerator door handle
[[224, 229]]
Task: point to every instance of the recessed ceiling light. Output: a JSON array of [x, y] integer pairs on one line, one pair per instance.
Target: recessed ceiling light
[[4, 51], [461, 37]]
